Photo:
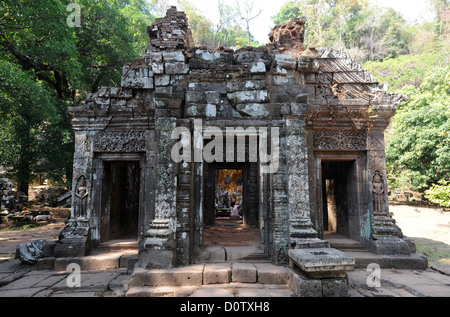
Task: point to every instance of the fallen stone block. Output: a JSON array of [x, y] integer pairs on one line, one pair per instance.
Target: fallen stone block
[[30, 252]]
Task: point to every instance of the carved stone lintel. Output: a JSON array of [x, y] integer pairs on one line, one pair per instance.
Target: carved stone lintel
[[340, 140], [120, 141]]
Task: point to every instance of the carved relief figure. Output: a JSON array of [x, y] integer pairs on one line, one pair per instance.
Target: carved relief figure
[[378, 193], [81, 195]]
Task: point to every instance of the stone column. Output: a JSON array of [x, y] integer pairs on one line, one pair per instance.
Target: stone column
[[160, 242], [280, 209], [75, 238], [386, 236], [184, 200], [301, 232]]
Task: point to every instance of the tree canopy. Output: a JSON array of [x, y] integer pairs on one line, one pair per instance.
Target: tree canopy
[[46, 65]]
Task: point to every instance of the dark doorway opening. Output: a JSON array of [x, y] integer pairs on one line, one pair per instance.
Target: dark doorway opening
[[339, 189], [120, 212]]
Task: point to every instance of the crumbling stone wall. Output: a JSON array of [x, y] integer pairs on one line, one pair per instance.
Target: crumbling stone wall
[[6, 194]]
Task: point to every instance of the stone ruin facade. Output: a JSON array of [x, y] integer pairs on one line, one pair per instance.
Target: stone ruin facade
[[330, 117]]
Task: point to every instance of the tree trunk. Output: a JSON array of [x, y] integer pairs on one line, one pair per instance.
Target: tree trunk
[[248, 33]]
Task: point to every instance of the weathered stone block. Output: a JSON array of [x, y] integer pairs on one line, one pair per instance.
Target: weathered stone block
[[303, 286], [30, 252], [286, 61], [211, 111], [139, 77], [118, 102], [246, 85], [169, 103], [212, 97], [213, 57], [243, 273], [195, 110], [217, 274], [322, 262], [186, 276], [176, 68], [157, 68], [162, 80], [271, 274], [258, 67], [163, 91], [173, 56], [390, 245], [253, 110], [280, 80], [253, 96], [196, 97], [221, 88], [156, 57], [335, 287]]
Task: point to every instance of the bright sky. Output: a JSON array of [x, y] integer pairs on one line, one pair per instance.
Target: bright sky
[[260, 27]]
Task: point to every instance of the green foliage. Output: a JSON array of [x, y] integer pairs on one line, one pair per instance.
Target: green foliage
[[418, 150], [411, 69], [368, 32], [439, 194], [290, 10], [47, 66], [109, 38], [24, 106]]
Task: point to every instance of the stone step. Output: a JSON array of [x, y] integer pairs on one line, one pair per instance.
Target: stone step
[[344, 244], [95, 262], [402, 262], [117, 245], [211, 273], [231, 254]]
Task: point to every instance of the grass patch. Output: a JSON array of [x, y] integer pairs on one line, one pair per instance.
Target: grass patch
[[436, 252], [7, 256], [21, 227]]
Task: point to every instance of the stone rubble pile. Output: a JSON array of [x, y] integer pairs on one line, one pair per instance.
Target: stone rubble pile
[[6, 196]]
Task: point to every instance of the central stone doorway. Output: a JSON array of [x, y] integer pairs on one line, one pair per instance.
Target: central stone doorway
[[231, 213]]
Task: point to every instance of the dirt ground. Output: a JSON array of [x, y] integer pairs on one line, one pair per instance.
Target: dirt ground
[[10, 239], [428, 227]]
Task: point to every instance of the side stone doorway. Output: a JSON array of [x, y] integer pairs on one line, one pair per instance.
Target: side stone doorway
[[118, 205]]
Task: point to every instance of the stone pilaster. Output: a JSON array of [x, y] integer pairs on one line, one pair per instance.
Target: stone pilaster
[[280, 208], [386, 237], [160, 242], [301, 232], [184, 197]]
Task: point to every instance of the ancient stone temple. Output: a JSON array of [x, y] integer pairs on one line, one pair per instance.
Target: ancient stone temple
[[288, 138]]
